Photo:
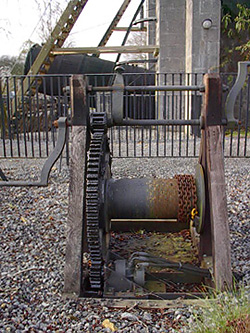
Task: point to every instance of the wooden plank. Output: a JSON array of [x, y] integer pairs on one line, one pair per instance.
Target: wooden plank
[[76, 212], [215, 236], [74, 231], [107, 49], [73, 256], [218, 208]]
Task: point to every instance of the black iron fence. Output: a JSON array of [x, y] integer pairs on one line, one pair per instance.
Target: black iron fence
[[26, 118], [26, 124]]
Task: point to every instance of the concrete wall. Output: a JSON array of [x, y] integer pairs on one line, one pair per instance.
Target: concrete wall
[[202, 44], [170, 35], [185, 45]]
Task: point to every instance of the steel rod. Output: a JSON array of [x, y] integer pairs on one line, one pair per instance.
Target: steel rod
[[158, 122], [151, 88]]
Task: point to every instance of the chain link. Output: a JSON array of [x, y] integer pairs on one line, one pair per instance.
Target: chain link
[[187, 197]]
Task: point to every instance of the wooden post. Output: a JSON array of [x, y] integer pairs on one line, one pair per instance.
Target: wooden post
[[76, 209], [213, 163]]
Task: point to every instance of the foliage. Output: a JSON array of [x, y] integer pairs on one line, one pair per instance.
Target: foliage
[[10, 65], [226, 312], [236, 32], [13, 65]]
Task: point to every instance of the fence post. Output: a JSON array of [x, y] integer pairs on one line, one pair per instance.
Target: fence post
[[76, 210]]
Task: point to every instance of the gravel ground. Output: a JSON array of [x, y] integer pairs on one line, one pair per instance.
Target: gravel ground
[[32, 243]]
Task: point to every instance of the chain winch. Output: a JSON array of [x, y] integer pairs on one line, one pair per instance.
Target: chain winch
[[110, 206], [109, 200]]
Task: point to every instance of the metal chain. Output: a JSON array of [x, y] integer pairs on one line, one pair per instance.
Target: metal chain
[[187, 197]]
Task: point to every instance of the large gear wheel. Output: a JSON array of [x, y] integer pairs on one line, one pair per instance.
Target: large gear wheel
[[98, 171]]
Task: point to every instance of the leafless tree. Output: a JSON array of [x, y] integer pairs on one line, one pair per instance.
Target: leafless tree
[[50, 12]]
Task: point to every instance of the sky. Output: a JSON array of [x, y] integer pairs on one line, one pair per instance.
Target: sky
[[19, 22]]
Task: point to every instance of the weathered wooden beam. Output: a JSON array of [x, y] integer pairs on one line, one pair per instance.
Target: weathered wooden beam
[[76, 210], [212, 160], [218, 208], [107, 49]]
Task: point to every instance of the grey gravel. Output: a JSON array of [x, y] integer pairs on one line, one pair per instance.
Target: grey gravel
[[32, 244]]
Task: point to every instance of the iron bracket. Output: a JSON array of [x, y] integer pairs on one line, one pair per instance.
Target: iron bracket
[[51, 160], [231, 98]]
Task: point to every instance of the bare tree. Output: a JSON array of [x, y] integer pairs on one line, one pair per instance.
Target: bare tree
[[50, 12], [4, 24]]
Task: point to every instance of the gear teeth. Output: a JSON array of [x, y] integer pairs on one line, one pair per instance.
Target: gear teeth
[[94, 156]]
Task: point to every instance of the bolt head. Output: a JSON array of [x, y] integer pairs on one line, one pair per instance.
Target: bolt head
[[207, 23]]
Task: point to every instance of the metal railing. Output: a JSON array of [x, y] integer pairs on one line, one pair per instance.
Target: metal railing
[[26, 121]]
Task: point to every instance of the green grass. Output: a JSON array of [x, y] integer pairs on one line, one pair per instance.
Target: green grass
[[235, 133], [226, 312]]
